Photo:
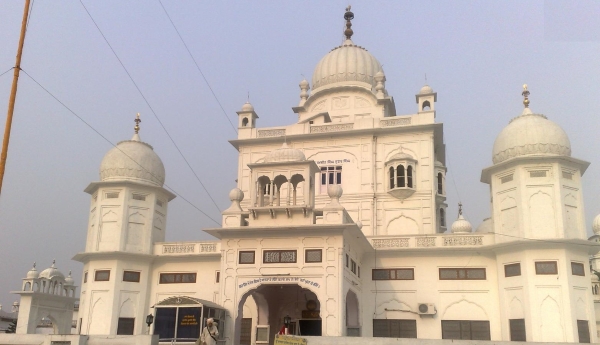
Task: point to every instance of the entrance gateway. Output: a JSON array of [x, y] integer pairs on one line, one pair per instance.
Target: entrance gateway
[[262, 310]]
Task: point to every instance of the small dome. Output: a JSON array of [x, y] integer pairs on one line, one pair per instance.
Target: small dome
[[596, 225], [530, 134], [285, 154], [486, 226], [401, 155], [236, 194], [69, 280], [425, 90], [346, 63], [133, 160], [461, 225], [52, 272], [247, 107], [33, 273], [439, 164]]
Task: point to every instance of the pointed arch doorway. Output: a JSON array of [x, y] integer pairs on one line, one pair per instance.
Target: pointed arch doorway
[[270, 303]]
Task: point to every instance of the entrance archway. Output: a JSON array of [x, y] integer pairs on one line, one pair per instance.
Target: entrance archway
[[352, 315], [273, 303]]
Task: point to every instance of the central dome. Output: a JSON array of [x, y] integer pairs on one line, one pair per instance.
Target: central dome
[[530, 134], [347, 62], [133, 160]]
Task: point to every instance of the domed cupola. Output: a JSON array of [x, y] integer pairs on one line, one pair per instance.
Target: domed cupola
[[133, 160], [52, 272], [33, 272], [348, 64], [461, 225], [285, 154], [530, 134]]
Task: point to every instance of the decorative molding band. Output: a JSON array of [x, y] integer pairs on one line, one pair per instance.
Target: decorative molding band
[[395, 122], [178, 248], [463, 241], [539, 148], [390, 243], [346, 76], [426, 242], [331, 128], [208, 247], [266, 133]]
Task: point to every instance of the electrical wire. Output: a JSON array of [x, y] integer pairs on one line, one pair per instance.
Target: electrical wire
[[29, 13], [8, 70], [108, 141], [197, 66], [150, 107]]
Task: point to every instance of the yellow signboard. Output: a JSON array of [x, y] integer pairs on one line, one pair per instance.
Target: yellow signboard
[[289, 340]]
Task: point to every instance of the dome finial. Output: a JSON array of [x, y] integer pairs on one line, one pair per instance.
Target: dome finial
[[137, 123], [460, 208], [525, 94], [348, 16]]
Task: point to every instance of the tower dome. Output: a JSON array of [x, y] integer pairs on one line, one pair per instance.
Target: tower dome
[[461, 225], [52, 272], [33, 272], [530, 134], [133, 160], [285, 154], [346, 63]]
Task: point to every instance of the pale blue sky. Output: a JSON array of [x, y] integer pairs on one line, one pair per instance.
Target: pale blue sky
[[476, 55]]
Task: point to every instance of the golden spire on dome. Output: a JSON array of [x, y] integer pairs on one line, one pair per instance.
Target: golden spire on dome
[[137, 123], [348, 16], [525, 94]]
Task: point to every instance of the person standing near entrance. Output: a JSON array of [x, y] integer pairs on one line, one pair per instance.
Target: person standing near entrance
[[209, 334]]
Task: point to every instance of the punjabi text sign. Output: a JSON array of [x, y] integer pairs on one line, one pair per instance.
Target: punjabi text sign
[[289, 340]]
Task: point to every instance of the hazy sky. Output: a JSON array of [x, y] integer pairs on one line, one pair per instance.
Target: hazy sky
[[476, 54]]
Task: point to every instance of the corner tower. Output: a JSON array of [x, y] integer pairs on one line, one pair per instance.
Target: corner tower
[[128, 214]]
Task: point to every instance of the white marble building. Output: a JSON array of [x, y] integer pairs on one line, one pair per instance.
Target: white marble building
[[339, 222]]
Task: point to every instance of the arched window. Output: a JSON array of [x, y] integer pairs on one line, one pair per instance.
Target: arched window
[[401, 176], [27, 286], [392, 178], [440, 184], [245, 122], [426, 105], [409, 176], [442, 217]]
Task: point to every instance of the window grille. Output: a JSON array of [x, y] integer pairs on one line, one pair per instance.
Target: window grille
[[131, 276], [469, 330], [313, 255], [567, 175], [394, 328], [537, 173], [393, 274], [139, 197], [578, 269], [159, 203], [246, 257], [112, 195], [330, 175], [512, 270], [462, 274], [517, 330], [353, 266], [546, 267], [177, 278], [506, 178], [583, 330], [279, 256], [102, 276], [125, 326]]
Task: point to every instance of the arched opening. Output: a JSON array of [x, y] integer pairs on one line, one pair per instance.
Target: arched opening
[[426, 105], [245, 122], [36, 287], [27, 287], [440, 183], [279, 182], [392, 180], [409, 176], [273, 302], [297, 192], [263, 191], [352, 315], [401, 176]]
